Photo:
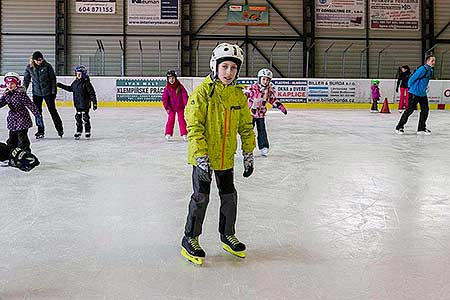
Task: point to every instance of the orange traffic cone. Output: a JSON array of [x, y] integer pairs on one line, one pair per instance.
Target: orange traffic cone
[[385, 108]]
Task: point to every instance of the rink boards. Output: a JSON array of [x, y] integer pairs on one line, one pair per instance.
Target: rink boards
[[302, 93]]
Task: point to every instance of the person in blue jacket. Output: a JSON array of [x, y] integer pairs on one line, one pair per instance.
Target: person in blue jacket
[[418, 84]]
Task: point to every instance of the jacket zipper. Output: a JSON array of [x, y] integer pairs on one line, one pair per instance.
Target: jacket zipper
[[224, 137]]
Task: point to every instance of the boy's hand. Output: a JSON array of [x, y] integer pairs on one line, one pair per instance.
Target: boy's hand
[[94, 106], [204, 169], [248, 164]]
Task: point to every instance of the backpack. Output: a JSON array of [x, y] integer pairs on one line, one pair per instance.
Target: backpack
[[423, 76]]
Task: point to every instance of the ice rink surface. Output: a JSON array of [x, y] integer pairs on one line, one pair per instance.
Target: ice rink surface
[[341, 209]]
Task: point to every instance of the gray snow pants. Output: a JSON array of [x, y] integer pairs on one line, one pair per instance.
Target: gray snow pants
[[200, 199]]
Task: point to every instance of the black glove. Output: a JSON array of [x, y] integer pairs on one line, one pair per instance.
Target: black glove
[[204, 171], [248, 164], [94, 106]]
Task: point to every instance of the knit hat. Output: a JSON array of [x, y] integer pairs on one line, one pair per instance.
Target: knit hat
[[37, 55]]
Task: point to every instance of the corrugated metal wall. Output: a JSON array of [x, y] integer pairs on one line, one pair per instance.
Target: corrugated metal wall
[[442, 17], [398, 53], [30, 25], [292, 10], [26, 27]]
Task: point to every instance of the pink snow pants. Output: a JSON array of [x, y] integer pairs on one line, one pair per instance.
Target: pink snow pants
[[403, 104], [171, 122]]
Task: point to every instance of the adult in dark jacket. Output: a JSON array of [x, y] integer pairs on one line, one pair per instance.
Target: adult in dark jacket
[[43, 79], [83, 96], [402, 82]]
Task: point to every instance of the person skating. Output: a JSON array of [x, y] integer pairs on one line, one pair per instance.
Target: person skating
[[258, 95], [43, 79], [174, 100], [402, 82], [18, 120], [375, 93], [216, 112], [83, 96], [417, 86]]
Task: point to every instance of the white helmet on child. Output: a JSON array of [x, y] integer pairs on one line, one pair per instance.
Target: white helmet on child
[[12, 75], [264, 73], [224, 52]]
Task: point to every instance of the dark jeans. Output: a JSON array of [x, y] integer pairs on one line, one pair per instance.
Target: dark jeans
[[82, 116], [375, 104], [19, 139], [263, 142], [200, 199], [50, 101], [412, 103]]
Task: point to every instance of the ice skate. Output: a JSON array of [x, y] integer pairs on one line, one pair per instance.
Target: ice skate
[[400, 131], [264, 151], [87, 135], [184, 138], [168, 137], [60, 133], [426, 131], [191, 250], [77, 135], [39, 135], [231, 244]]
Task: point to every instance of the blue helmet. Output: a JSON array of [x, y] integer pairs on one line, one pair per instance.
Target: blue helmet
[[82, 69]]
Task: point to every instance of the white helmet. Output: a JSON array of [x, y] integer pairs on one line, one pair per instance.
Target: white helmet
[[224, 52], [264, 73], [12, 74]]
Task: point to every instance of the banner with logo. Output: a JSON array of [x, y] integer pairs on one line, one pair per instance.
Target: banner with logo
[[248, 15], [95, 6], [138, 89], [335, 91], [394, 14], [153, 12], [340, 14]]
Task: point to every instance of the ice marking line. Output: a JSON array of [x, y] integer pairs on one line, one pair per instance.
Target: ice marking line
[[345, 218]]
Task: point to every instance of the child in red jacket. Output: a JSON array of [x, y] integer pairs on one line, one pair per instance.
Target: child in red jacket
[[174, 99]]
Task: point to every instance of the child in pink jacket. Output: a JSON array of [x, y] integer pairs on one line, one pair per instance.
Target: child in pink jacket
[[258, 96], [174, 99]]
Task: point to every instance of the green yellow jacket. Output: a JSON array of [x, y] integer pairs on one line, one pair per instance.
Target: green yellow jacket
[[215, 114]]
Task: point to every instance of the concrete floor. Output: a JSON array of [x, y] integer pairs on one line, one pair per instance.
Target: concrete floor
[[341, 209]]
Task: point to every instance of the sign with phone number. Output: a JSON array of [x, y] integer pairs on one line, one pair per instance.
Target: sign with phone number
[[96, 7]]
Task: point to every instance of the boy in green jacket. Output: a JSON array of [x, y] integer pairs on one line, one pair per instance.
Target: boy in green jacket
[[216, 112]]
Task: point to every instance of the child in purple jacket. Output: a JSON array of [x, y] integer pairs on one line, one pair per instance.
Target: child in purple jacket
[[18, 119], [174, 99], [375, 95]]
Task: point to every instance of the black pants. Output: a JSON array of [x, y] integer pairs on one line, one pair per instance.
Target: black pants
[[19, 139], [200, 199], [375, 104], [50, 101], [412, 103], [263, 141], [82, 116]]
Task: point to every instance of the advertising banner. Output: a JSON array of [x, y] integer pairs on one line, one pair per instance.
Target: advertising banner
[[153, 12], [334, 91], [248, 15], [394, 14], [340, 14], [95, 6], [139, 89]]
